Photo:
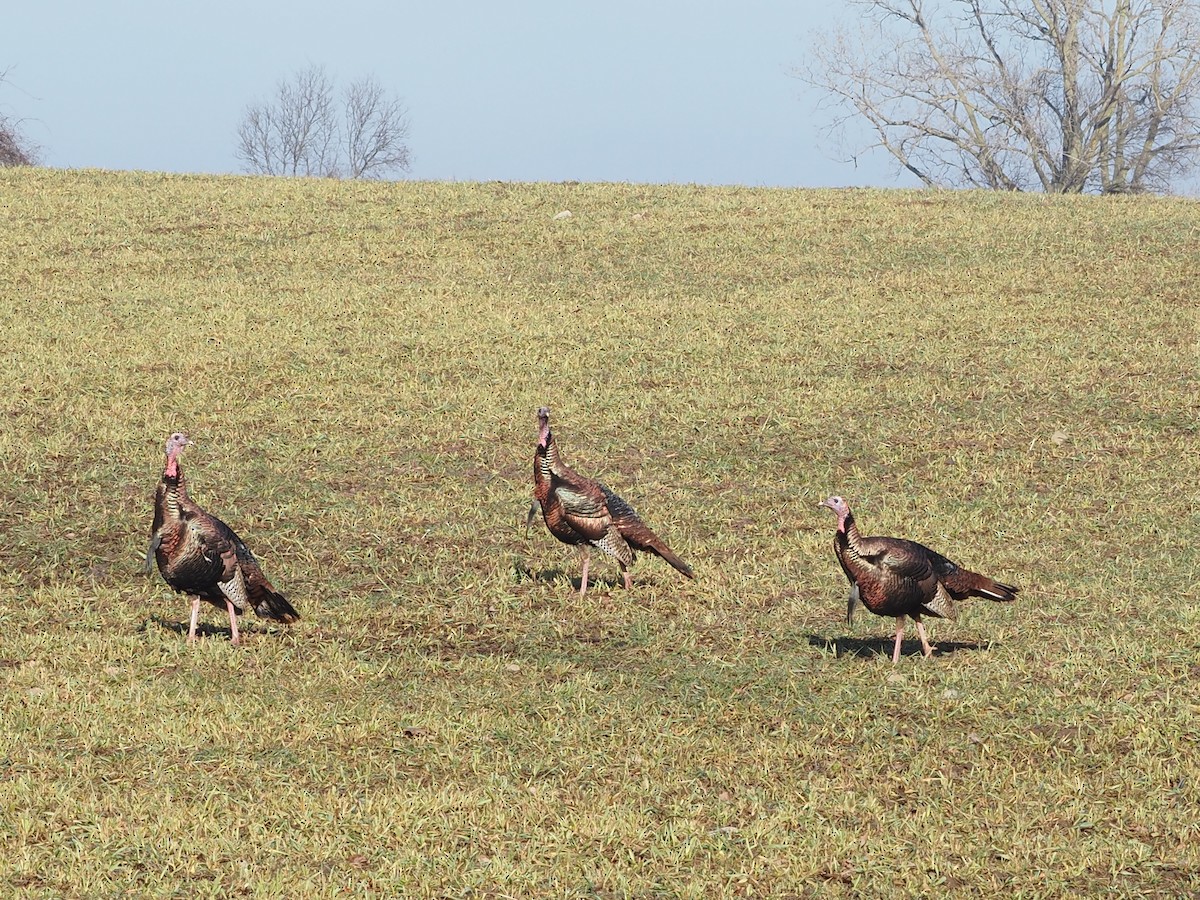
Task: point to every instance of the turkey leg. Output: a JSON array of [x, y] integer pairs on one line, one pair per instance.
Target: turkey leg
[[195, 619], [233, 632], [899, 639]]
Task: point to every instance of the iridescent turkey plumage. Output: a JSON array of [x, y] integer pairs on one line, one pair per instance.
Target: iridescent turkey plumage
[[585, 513], [901, 578], [201, 556]]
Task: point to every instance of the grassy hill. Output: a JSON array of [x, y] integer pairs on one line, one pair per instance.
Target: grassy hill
[[1010, 379]]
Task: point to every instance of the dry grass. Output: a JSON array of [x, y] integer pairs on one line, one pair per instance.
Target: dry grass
[[1011, 379]]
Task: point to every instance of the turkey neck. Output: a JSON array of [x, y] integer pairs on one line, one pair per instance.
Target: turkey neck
[[849, 537], [549, 462], [549, 469], [542, 470], [174, 488]]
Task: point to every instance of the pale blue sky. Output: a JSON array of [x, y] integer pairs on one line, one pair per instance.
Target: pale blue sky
[[545, 90]]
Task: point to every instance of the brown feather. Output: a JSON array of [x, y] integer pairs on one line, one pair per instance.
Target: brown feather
[[199, 555], [580, 511], [897, 578]]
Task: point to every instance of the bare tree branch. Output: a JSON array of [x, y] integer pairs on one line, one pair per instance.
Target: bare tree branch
[[300, 131], [15, 148], [376, 130], [1057, 95]]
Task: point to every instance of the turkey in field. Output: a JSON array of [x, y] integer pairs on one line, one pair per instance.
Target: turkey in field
[[199, 555], [895, 577], [586, 514]]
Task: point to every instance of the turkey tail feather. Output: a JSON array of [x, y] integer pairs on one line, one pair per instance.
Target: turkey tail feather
[[971, 584], [267, 602], [1003, 593], [637, 533], [669, 555], [639, 536], [271, 604]]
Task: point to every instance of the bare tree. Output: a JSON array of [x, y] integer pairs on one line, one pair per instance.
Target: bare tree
[[14, 151], [299, 132], [376, 130], [1055, 95], [15, 148], [294, 134]]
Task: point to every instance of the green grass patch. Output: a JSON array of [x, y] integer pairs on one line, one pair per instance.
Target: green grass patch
[[1010, 379]]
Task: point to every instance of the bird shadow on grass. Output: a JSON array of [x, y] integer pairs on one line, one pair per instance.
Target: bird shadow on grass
[[204, 630], [550, 576], [882, 646]]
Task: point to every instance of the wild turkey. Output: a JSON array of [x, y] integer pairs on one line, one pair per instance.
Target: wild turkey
[[895, 577], [201, 556], [586, 514]]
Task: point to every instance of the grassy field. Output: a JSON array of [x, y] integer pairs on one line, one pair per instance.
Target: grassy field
[[1010, 379]]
